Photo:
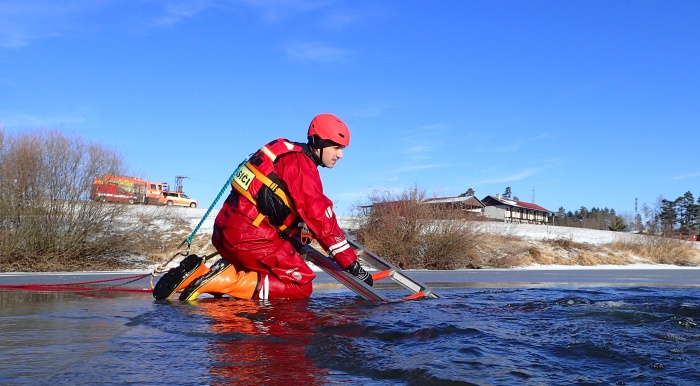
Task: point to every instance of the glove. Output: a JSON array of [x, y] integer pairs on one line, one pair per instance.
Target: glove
[[306, 236], [360, 273]]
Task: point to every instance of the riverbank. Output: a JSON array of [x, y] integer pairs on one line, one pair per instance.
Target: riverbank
[[637, 275], [530, 245], [517, 246]]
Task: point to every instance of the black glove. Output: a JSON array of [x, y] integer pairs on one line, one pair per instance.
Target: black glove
[[360, 273]]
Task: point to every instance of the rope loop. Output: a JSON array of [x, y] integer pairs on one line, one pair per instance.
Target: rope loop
[[189, 238], [161, 268]]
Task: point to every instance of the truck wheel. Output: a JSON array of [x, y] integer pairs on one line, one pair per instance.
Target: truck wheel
[[169, 203], [193, 205], [131, 201]]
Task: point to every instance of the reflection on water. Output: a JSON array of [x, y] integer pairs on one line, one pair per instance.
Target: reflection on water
[[24, 302], [46, 332], [259, 343], [548, 335]]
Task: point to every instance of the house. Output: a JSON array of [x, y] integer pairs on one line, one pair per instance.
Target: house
[[513, 211], [470, 205], [466, 203], [493, 208]]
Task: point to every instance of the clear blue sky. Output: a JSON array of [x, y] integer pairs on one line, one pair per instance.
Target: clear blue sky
[[585, 103]]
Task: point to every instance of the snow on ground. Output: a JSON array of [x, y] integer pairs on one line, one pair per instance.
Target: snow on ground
[[601, 266], [550, 232], [195, 216], [527, 231]]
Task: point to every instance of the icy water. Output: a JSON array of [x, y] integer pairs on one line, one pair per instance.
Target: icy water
[[485, 335]]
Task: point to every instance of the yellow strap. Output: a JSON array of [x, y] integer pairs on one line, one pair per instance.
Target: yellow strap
[[270, 184], [244, 192], [247, 195], [258, 219]]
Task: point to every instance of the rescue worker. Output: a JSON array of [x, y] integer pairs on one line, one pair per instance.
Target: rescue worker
[[276, 193]]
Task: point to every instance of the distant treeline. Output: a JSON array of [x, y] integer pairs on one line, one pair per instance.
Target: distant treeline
[[667, 217]]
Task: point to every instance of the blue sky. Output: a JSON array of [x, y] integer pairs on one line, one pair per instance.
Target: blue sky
[[575, 103]]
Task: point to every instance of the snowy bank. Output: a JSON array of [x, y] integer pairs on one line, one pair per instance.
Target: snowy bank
[[527, 231]]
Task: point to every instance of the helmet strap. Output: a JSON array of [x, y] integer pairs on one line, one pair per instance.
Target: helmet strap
[[317, 143], [310, 151], [320, 158]]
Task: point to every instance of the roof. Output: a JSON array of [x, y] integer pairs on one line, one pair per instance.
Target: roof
[[520, 204], [439, 200]]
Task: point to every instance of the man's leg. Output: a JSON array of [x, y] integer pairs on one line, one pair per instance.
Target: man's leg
[[283, 272], [225, 279]]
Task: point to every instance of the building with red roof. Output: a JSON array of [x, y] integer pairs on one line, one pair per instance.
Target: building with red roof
[[514, 211]]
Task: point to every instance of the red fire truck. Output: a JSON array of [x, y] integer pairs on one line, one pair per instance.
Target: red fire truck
[[132, 190], [154, 192]]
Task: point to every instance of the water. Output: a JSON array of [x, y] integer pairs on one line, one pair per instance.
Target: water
[[533, 335]]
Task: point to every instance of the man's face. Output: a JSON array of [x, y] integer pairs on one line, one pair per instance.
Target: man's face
[[331, 155]]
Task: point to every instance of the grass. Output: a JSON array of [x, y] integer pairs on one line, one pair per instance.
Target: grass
[[498, 251], [412, 235], [661, 250], [136, 240], [152, 236]]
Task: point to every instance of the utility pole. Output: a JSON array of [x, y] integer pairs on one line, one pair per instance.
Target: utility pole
[[178, 183]]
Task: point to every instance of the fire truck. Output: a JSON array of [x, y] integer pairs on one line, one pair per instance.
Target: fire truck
[[132, 190], [154, 192]]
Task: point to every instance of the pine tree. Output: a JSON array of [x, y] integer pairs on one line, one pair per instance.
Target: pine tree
[[617, 225], [685, 207], [507, 193], [469, 192], [668, 216]]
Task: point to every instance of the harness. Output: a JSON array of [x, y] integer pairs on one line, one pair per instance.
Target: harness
[[255, 179]]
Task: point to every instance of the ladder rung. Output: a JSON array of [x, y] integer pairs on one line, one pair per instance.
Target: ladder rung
[[381, 275], [384, 270], [416, 295]]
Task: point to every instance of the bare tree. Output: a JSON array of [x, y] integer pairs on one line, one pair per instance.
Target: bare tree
[[413, 234], [46, 217]]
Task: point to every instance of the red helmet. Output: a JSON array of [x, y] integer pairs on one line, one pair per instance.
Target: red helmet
[[328, 127]]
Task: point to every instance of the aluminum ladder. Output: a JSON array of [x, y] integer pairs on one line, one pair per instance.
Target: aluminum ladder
[[385, 270]]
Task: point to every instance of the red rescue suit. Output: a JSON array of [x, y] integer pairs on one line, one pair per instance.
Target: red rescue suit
[[244, 235]]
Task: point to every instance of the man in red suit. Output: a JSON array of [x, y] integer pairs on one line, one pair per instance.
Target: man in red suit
[[276, 192]]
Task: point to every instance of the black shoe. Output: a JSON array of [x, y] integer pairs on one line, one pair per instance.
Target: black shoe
[[192, 290], [173, 279]]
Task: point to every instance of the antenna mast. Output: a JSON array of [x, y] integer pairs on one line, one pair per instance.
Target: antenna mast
[[178, 183]]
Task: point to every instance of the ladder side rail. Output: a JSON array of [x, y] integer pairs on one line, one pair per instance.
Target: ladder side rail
[[371, 257], [344, 277], [380, 264], [372, 261], [416, 285], [407, 282], [412, 285]]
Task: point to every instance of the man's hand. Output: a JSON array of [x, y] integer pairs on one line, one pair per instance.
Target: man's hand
[[360, 273]]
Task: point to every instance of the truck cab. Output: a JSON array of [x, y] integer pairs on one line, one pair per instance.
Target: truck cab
[[154, 192]]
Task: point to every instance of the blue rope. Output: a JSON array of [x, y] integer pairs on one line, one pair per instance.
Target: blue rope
[[188, 240]]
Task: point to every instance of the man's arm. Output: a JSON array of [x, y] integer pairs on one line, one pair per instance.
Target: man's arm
[[303, 183]]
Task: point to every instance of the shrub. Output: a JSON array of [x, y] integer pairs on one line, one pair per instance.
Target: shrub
[[47, 221], [412, 235], [662, 250]]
